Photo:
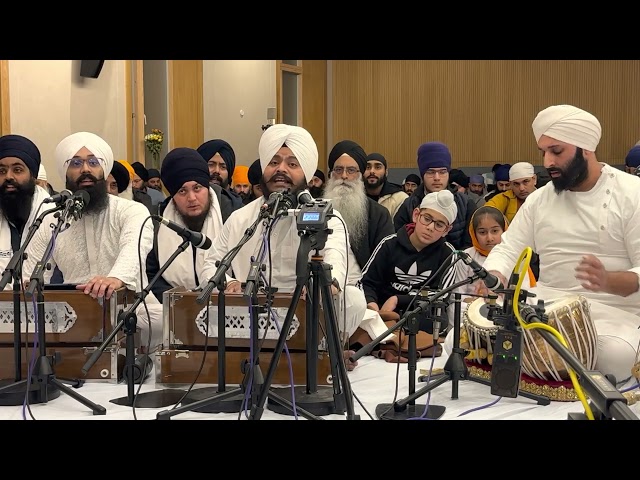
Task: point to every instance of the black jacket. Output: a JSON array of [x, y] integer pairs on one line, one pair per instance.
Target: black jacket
[[379, 226], [397, 268], [459, 235]]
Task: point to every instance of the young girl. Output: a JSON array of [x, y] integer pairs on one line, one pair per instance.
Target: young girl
[[485, 228]]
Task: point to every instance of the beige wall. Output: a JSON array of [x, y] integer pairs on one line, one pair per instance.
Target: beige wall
[[230, 86], [49, 100]]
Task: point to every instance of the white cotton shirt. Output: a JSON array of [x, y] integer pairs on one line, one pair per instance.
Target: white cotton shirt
[[562, 228]]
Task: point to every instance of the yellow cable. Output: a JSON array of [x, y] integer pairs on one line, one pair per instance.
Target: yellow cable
[[522, 270]]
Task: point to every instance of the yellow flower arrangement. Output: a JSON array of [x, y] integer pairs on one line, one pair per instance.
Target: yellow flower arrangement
[[153, 142]]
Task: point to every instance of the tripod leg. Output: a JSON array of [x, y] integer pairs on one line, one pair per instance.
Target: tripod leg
[[95, 408]]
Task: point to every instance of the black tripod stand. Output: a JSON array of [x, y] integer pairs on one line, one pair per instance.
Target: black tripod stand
[[43, 371], [232, 400], [320, 273], [12, 393]]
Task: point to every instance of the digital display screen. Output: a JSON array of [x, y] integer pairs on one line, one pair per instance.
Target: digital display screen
[[310, 216]]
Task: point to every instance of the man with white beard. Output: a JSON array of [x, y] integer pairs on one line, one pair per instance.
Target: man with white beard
[[367, 221]]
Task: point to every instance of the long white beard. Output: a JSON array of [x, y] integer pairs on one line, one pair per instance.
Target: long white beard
[[350, 199]]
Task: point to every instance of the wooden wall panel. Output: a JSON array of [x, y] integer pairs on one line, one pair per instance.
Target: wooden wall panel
[[186, 115], [5, 106], [314, 101], [482, 109]]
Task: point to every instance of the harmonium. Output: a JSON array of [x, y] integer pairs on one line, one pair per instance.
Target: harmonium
[[191, 354], [75, 326]]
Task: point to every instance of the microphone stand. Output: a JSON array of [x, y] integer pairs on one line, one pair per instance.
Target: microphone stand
[[49, 385], [606, 399], [215, 403], [127, 320], [455, 368], [13, 271]]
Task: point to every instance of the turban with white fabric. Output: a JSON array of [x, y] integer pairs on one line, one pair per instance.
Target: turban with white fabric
[[297, 139], [68, 147], [568, 124]]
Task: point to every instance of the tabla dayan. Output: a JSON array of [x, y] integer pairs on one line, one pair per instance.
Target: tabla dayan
[[544, 372]]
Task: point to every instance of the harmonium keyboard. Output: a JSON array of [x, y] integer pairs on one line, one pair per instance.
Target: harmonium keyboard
[[75, 326], [191, 353]]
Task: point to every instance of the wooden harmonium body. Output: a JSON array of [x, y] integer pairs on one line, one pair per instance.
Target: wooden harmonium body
[[75, 326], [180, 361]]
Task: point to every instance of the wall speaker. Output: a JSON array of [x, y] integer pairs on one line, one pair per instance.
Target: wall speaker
[[90, 68]]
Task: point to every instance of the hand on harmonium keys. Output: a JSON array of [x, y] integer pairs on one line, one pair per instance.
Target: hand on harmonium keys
[[234, 286], [101, 286]]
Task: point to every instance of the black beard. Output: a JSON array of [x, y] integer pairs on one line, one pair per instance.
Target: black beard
[[572, 175], [217, 180], [316, 192], [98, 195], [371, 186], [16, 205], [196, 223]]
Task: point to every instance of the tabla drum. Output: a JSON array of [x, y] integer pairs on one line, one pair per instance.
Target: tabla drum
[[544, 372], [571, 317], [478, 333]]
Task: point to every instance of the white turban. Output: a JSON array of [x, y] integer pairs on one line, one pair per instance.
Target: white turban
[[521, 170], [68, 147], [42, 173], [297, 139], [568, 124], [442, 202]]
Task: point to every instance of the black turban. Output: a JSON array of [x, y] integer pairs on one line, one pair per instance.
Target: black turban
[[141, 171], [183, 165], [22, 148], [319, 174], [255, 173], [352, 149], [378, 157], [153, 173], [210, 148], [412, 177], [459, 177], [121, 176]]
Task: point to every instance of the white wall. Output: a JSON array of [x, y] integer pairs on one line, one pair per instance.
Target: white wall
[[230, 86], [49, 100]]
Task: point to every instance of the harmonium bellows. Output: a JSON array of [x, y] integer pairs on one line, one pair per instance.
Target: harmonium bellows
[[75, 326], [187, 340]]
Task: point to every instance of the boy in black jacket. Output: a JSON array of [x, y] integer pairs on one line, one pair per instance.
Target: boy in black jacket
[[402, 263]]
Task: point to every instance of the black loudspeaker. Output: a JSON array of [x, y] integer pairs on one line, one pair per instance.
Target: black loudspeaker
[[90, 68], [507, 363]]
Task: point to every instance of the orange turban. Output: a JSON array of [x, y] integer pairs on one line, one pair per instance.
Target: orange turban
[[240, 175], [129, 168]]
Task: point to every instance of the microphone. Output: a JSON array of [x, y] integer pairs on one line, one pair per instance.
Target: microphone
[[141, 369], [59, 198], [197, 239], [304, 197], [76, 204], [491, 281], [276, 204]]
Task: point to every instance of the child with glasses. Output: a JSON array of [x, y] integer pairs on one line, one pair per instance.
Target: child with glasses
[[403, 263]]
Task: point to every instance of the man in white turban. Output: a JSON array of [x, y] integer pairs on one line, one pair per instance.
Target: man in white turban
[[585, 227], [99, 251], [289, 159]]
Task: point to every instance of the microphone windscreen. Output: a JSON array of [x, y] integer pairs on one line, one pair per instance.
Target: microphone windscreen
[[84, 195]]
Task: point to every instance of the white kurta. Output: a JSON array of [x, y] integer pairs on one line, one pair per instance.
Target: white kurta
[[562, 228], [6, 251], [103, 244], [284, 242], [604, 221]]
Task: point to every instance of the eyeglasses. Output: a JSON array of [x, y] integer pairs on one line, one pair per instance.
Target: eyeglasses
[[438, 225], [350, 170], [433, 173], [76, 163]]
